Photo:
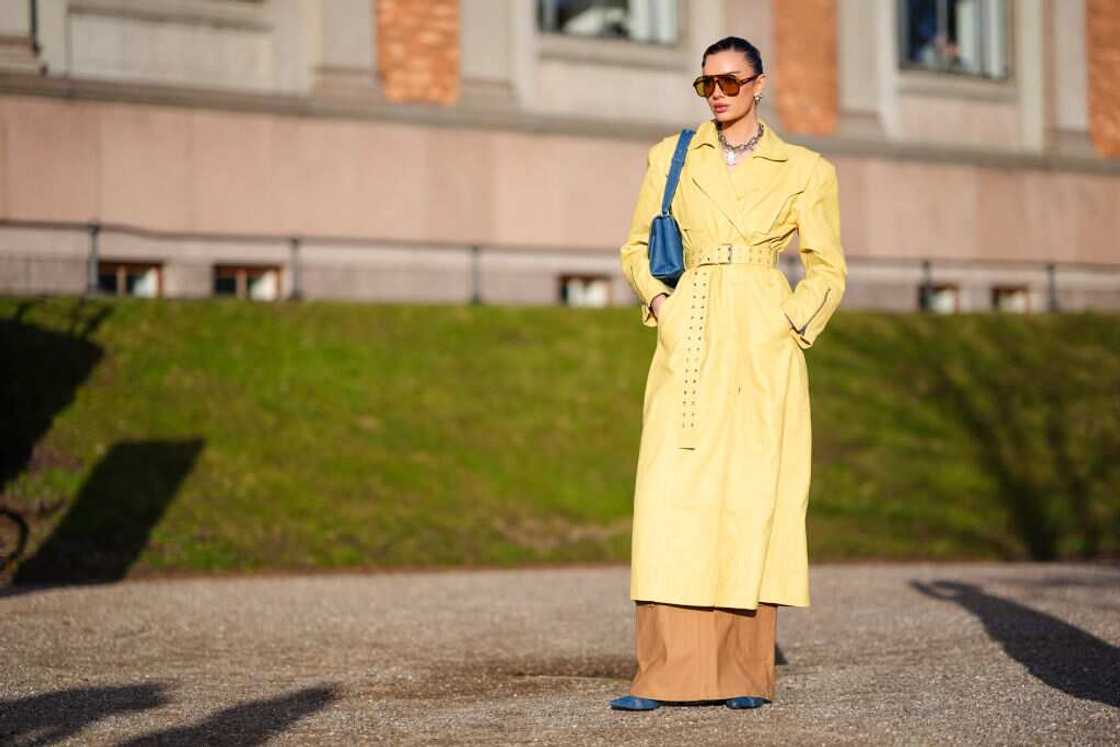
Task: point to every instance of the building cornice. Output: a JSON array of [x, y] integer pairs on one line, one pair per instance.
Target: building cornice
[[470, 115]]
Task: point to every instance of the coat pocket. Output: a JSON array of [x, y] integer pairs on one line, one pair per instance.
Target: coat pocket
[[668, 331], [779, 292]]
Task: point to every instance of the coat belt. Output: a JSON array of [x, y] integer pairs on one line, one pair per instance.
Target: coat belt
[[736, 254], [688, 427]]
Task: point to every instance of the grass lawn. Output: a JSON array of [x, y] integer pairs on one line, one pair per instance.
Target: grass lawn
[[186, 435]]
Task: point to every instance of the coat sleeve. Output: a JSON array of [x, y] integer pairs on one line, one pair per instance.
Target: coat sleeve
[[634, 254], [819, 291]]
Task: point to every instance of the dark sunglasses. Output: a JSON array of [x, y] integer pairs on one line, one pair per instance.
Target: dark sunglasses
[[705, 85]]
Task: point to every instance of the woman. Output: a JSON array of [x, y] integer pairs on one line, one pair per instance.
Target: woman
[[723, 467]]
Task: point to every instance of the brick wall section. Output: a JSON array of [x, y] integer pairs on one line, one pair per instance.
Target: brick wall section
[[1102, 42], [418, 49], [805, 52]]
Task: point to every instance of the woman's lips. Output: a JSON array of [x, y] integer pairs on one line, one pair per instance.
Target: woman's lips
[[720, 107]]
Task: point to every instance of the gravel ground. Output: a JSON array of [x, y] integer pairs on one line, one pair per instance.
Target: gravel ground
[[888, 653]]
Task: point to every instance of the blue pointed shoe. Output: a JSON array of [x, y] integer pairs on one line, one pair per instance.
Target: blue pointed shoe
[[745, 701], [634, 703]]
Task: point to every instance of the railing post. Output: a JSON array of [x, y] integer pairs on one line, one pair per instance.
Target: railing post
[[94, 258], [295, 260], [1052, 287], [476, 282], [33, 13], [926, 292]]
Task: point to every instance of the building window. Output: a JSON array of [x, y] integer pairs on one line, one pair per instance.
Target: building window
[[257, 282], [585, 290], [648, 21], [1011, 298], [955, 36], [130, 278], [940, 298]]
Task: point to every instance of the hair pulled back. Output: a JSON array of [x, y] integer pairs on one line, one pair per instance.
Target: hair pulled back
[[737, 44]]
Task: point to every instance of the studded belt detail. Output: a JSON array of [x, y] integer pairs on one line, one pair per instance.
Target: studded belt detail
[[725, 254], [721, 254]]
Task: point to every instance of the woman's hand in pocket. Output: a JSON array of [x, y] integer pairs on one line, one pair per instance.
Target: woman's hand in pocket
[[655, 304]]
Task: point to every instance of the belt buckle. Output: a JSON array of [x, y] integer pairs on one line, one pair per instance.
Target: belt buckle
[[725, 256]]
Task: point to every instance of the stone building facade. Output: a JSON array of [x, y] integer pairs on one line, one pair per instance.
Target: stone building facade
[[448, 150]]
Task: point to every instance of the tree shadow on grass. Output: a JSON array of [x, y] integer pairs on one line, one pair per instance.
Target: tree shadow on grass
[[1059, 654], [109, 523], [1031, 402], [1043, 427], [41, 369]]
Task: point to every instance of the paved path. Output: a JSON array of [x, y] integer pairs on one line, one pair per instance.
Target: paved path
[[886, 654]]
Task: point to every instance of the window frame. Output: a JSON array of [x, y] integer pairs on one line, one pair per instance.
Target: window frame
[[241, 271], [907, 68], [119, 268], [931, 289], [565, 277], [1002, 288], [617, 50]]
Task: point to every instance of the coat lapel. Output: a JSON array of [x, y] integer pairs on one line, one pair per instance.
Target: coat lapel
[[710, 174]]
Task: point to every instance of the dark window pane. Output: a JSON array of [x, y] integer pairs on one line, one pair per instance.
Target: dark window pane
[[225, 285]]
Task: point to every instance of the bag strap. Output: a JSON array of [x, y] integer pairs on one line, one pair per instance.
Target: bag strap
[[675, 170]]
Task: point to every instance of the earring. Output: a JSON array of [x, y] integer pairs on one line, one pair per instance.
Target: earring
[[757, 97]]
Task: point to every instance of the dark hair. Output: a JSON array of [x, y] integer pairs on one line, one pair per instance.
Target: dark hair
[[739, 45]]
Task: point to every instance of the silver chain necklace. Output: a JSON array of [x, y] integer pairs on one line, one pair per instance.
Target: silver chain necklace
[[731, 153]]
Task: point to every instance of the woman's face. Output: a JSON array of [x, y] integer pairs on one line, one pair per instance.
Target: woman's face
[[726, 108]]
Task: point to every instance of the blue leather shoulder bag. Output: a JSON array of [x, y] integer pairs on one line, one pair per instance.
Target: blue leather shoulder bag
[[666, 253]]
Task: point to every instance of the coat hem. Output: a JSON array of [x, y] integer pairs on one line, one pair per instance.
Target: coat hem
[[735, 604]]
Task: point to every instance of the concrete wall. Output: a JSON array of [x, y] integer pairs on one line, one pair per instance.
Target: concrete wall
[[182, 169]]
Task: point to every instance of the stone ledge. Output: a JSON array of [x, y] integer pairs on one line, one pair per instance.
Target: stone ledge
[[613, 52], [243, 15]]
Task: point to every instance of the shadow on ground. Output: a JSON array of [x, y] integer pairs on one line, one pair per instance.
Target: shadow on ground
[[253, 722], [1058, 654], [516, 676], [54, 717]]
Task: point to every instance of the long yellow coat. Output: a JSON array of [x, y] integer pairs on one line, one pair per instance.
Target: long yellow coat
[[722, 483]]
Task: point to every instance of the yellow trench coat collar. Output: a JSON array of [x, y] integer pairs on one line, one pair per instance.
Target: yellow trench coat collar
[[709, 172]]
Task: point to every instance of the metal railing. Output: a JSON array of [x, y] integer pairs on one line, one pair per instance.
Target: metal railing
[[296, 243], [297, 247]]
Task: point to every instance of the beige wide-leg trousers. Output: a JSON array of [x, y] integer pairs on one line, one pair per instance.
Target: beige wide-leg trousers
[[703, 653]]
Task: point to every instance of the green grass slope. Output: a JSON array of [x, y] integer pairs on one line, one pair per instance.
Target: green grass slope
[[148, 436]]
